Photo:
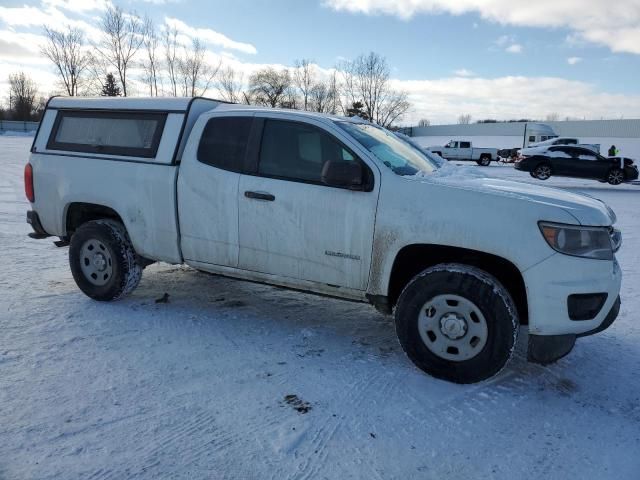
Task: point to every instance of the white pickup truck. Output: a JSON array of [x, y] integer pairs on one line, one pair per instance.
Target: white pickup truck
[[464, 150], [328, 205]]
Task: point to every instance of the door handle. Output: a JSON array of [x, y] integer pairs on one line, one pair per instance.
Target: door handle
[[260, 196]]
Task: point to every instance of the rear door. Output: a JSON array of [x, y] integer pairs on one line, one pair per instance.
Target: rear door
[[562, 161], [208, 188], [294, 226], [465, 151]]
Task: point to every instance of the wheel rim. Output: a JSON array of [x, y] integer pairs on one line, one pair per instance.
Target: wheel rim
[[616, 177], [484, 162], [543, 172], [452, 327], [96, 262]]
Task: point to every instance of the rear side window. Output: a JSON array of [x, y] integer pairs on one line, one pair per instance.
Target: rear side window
[[297, 151], [465, 144], [224, 142], [135, 134]]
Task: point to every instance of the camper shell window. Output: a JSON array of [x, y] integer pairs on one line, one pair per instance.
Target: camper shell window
[[131, 133]]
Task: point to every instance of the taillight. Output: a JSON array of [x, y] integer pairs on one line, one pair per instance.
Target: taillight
[[28, 183]]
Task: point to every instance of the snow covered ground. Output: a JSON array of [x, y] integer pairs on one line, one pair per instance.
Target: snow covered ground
[[238, 380]]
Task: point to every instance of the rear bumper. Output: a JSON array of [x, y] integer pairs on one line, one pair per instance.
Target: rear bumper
[[34, 220], [519, 165]]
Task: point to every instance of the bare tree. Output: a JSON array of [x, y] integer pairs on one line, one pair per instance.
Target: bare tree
[[195, 72], [151, 62], [323, 96], [270, 87], [171, 58], [424, 122], [553, 117], [122, 38], [464, 119], [367, 80], [230, 85], [303, 79], [23, 93], [66, 50]]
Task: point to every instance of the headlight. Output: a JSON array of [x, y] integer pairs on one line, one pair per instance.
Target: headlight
[[588, 242]]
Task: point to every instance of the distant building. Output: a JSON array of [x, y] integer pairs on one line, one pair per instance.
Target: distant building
[[624, 134]]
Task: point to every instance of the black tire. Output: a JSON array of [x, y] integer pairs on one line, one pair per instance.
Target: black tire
[[615, 176], [542, 171], [122, 271], [532, 174], [485, 160], [475, 286]]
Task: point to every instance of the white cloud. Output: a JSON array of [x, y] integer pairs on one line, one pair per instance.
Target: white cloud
[[50, 15], [612, 24], [503, 40], [210, 36], [78, 6], [508, 42], [463, 72], [515, 48], [512, 97], [574, 60]]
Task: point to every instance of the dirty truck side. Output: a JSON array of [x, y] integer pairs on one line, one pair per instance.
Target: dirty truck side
[[328, 205]]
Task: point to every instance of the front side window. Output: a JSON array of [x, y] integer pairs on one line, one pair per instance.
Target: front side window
[[400, 157], [224, 142], [134, 134], [297, 151]]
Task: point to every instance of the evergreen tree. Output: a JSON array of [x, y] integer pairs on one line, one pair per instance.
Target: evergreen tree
[[110, 88], [357, 110]]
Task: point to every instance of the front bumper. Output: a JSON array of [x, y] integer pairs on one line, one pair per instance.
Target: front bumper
[[545, 349], [630, 173], [552, 281]]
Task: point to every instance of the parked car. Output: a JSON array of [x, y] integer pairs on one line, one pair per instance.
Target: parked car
[[464, 150], [328, 205], [560, 141], [576, 161]]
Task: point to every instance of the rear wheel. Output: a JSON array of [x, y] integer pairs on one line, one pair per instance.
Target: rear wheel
[[457, 323], [542, 171], [103, 261], [615, 176], [485, 160]]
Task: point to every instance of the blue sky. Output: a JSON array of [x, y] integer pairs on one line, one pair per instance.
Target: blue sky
[[512, 58]]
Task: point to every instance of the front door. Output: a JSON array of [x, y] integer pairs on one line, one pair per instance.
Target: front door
[[291, 224]]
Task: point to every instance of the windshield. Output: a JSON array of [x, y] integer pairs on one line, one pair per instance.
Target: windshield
[[437, 159], [401, 157]]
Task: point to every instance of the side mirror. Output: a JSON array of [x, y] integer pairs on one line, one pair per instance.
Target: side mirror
[[342, 173]]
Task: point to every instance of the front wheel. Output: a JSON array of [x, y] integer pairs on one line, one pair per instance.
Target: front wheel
[[103, 261], [542, 171], [457, 323], [615, 176]]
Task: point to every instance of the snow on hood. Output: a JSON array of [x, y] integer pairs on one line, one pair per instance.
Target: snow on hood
[[585, 209]]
